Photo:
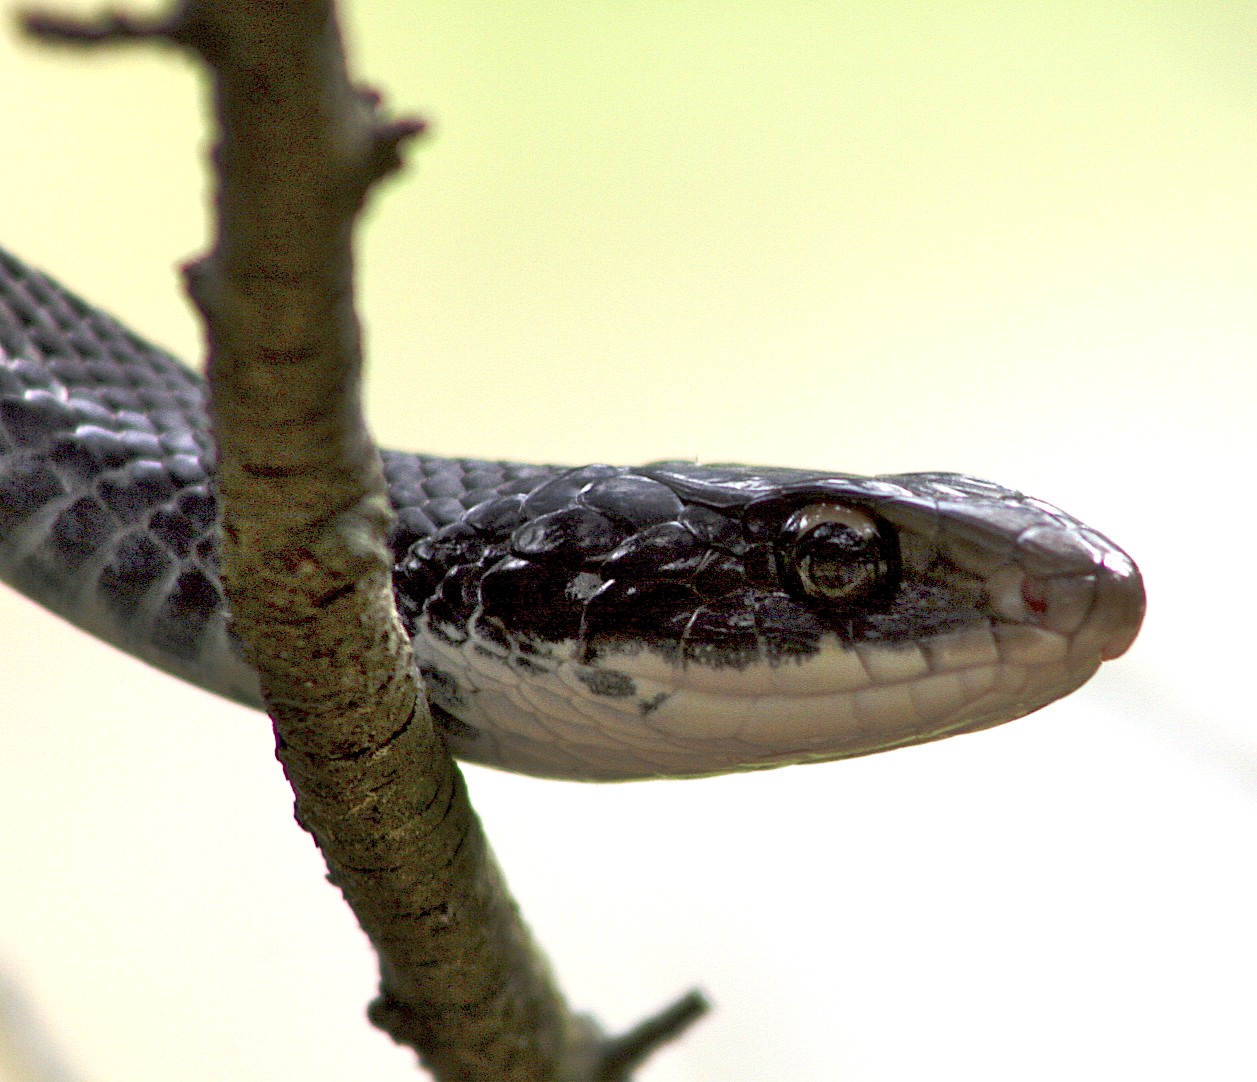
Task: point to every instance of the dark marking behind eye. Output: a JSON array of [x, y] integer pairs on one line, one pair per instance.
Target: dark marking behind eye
[[443, 690], [609, 685]]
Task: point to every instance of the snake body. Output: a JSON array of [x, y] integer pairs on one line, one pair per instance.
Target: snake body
[[591, 623]]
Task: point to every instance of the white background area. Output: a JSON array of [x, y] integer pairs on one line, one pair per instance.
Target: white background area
[[1013, 240]]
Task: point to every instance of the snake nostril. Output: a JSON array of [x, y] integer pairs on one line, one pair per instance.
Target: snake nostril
[[1034, 595]]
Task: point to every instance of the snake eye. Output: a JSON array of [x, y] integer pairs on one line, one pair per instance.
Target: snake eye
[[837, 556]]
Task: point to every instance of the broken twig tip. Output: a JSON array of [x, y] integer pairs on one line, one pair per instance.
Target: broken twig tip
[[389, 139], [621, 1054]]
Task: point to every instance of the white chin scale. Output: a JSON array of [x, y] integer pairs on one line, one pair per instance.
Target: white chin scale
[[635, 714]]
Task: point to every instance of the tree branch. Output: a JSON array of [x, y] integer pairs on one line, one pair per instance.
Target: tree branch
[[304, 519]]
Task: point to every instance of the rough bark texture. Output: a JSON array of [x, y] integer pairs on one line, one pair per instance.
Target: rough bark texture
[[306, 566]]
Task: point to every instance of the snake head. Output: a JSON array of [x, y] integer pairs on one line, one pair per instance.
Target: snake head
[[679, 619]]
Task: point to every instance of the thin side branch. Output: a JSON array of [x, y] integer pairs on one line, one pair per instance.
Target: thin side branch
[[620, 1055], [108, 27], [304, 520]]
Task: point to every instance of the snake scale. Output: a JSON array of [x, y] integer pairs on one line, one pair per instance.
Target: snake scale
[[591, 623]]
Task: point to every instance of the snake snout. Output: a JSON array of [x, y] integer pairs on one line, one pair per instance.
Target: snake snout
[[1122, 595], [1077, 584]]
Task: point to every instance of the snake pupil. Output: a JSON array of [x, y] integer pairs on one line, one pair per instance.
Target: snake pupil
[[836, 556], [834, 561]]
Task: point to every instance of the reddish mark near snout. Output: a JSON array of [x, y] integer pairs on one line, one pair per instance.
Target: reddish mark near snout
[[1032, 593]]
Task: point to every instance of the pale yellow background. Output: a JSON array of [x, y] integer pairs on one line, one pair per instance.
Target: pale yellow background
[[1017, 239]]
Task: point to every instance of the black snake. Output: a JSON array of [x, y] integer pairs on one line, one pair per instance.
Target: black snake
[[592, 623]]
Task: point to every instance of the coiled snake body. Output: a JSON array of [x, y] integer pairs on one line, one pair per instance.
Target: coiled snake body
[[592, 623]]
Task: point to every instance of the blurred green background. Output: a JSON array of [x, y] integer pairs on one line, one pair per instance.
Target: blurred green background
[[1016, 240]]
